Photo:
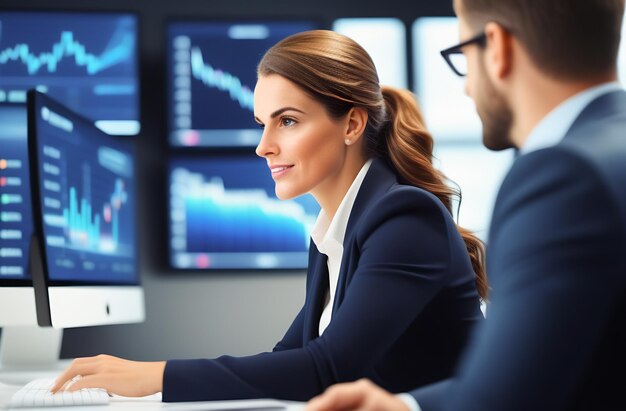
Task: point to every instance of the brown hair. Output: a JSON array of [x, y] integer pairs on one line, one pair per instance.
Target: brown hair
[[571, 39], [338, 72]]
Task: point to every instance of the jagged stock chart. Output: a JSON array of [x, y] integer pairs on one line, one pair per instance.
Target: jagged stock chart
[[87, 61]]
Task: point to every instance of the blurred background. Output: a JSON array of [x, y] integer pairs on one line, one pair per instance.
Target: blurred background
[[222, 261]]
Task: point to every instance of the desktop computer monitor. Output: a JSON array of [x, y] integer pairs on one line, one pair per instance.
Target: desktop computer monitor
[[211, 77], [83, 257], [223, 214], [23, 345], [86, 60]]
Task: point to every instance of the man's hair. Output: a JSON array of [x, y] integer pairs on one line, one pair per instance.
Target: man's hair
[[572, 39]]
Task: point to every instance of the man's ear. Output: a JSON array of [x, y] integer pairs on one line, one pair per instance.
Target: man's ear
[[355, 126], [498, 51]]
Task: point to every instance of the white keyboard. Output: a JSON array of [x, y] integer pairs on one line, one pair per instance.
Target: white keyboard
[[37, 394]]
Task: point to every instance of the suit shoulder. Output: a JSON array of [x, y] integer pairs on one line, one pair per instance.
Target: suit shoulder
[[402, 197], [405, 202], [602, 163], [554, 179]]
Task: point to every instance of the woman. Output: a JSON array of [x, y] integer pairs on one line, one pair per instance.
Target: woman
[[392, 282]]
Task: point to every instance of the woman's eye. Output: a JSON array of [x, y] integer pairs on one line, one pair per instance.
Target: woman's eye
[[287, 122]]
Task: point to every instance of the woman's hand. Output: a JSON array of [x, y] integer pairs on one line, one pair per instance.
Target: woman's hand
[[116, 375]]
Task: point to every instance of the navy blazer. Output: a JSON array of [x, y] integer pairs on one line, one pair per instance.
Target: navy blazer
[[405, 304], [555, 334]]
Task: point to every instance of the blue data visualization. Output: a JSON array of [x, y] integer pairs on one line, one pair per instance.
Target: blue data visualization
[[16, 220], [224, 214], [211, 76], [87, 61], [85, 183]]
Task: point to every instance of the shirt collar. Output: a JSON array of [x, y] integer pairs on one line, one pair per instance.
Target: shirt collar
[[554, 126], [326, 232]]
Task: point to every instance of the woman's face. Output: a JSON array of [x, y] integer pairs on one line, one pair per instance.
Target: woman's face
[[304, 147]]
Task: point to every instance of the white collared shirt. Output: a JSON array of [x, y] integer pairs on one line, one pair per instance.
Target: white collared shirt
[[328, 238], [547, 133]]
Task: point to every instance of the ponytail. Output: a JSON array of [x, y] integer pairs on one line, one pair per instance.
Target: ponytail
[[409, 147]]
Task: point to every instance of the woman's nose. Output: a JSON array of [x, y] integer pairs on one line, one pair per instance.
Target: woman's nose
[[266, 147]]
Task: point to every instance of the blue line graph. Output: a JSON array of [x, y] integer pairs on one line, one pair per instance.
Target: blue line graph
[[68, 47], [221, 80], [87, 61]]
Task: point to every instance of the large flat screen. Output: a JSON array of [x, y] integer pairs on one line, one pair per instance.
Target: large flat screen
[[450, 115], [84, 186], [87, 61], [211, 79], [16, 221], [384, 39], [224, 215]]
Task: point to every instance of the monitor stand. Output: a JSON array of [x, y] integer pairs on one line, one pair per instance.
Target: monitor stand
[[29, 352]]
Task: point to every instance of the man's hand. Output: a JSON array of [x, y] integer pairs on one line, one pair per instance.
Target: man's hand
[[362, 395]]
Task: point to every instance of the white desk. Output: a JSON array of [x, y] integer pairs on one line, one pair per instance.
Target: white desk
[[154, 403]]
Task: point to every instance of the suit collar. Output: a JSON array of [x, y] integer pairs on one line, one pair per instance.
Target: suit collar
[[377, 181], [605, 106]]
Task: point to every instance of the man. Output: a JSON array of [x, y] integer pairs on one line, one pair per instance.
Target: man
[[543, 76]]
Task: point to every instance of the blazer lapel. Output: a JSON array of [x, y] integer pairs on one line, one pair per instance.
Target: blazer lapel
[[378, 180], [318, 291]]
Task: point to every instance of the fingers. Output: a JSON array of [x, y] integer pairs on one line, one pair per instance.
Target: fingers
[[80, 366], [90, 381], [341, 397]]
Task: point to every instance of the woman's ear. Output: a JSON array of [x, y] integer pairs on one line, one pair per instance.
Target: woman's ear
[[356, 123]]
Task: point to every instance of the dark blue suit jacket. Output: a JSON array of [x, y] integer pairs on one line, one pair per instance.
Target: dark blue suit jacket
[[555, 335], [406, 300]]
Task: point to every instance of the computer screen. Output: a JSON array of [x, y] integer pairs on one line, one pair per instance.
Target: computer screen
[[15, 208], [211, 79], [449, 113], [84, 212], [384, 39], [17, 298], [223, 214], [88, 61]]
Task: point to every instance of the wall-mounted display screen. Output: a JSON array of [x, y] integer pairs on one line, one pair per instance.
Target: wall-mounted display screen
[[87, 61], [223, 213], [211, 77]]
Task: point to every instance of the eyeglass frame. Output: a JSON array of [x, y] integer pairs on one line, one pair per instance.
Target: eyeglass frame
[[480, 39]]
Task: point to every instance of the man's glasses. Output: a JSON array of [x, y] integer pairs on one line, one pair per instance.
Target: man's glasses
[[456, 59]]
